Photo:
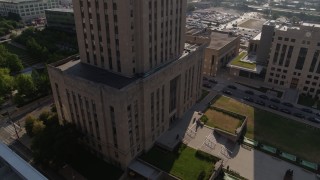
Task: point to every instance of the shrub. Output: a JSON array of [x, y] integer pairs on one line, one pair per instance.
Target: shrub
[[204, 119]]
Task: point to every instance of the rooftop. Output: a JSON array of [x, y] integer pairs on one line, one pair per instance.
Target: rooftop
[[74, 67], [69, 10], [220, 40], [94, 74], [18, 1], [245, 62], [21, 169]]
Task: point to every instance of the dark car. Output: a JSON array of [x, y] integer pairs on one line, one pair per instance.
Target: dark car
[[298, 115], [213, 81], [232, 87], [273, 107], [306, 110], [249, 92], [248, 99], [287, 104], [318, 114], [262, 96], [285, 111], [206, 85], [261, 103], [227, 92], [275, 100], [315, 120], [204, 78]]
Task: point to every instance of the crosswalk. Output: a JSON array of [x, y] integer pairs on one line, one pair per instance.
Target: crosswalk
[[8, 133]]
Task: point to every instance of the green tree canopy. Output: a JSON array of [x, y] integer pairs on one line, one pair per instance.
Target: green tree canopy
[[25, 85], [6, 82]]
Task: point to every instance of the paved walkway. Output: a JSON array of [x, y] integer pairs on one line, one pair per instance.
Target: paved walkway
[[251, 164]]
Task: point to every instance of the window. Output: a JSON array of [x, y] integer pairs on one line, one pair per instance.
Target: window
[[279, 38], [286, 39]]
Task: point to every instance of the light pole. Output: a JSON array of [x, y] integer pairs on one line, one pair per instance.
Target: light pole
[[14, 126]]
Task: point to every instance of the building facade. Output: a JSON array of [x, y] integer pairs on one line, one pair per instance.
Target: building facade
[[134, 77], [61, 19], [294, 58], [27, 9]]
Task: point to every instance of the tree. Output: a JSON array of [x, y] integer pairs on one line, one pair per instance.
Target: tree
[[55, 144], [9, 60], [38, 127], [28, 124], [25, 85], [41, 81], [191, 7], [14, 63], [6, 82]]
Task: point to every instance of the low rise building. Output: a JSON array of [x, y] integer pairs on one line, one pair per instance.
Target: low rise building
[[222, 47]]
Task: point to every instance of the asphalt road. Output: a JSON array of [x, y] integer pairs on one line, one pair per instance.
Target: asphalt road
[[240, 94]]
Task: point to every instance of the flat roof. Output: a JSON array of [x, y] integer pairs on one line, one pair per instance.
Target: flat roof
[[95, 74], [19, 1], [220, 40], [69, 10], [19, 165], [73, 67]]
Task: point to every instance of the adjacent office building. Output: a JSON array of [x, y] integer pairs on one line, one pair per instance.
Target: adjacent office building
[[134, 77], [27, 9], [294, 58], [61, 19]]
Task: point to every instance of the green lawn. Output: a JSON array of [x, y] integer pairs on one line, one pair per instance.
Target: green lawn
[[222, 121], [262, 89], [308, 101], [287, 135], [236, 62], [185, 165]]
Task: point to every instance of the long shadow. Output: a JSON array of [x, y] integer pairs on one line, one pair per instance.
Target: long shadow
[[286, 135]]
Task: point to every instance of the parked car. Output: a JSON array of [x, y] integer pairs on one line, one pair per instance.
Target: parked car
[[207, 85], [287, 104], [261, 103], [248, 99], [227, 92], [318, 114], [285, 111], [249, 92], [298, 115], [275, 100], [262, 96], [315, 120], [273, 107], [306, 110], [213, 81], [232, 87]]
